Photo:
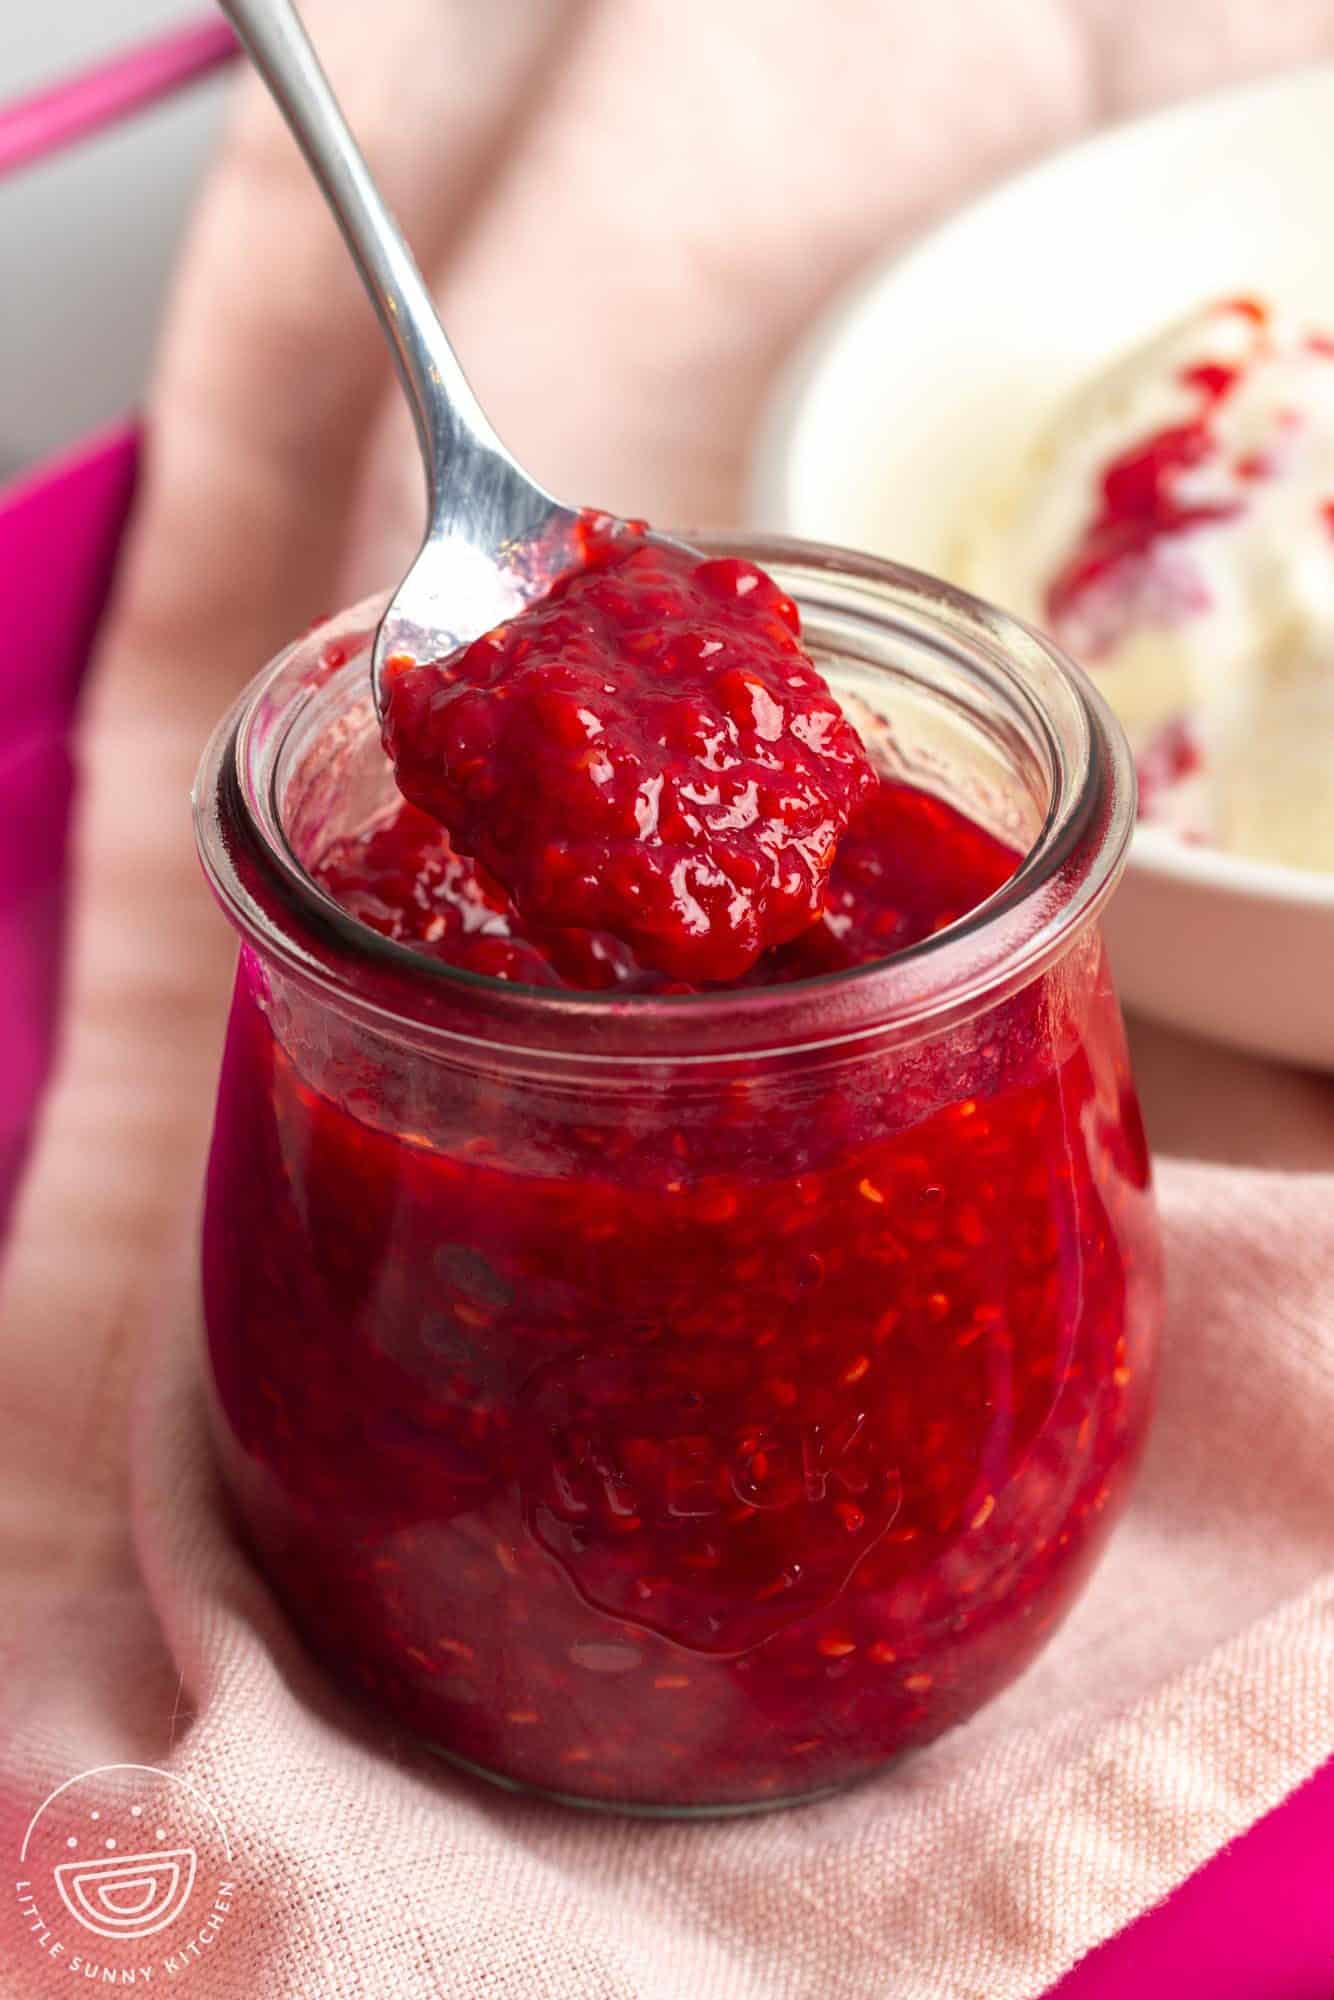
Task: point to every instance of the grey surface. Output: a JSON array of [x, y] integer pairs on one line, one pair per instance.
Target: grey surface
[[86, 240]]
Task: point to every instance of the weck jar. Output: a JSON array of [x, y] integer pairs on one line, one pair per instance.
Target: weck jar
[[685, 1401]]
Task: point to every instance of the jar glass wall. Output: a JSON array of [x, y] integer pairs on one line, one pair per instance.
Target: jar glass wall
[[685, 1401]]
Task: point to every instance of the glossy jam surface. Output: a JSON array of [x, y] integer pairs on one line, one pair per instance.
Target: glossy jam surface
[[909, 865], [684, 1437], [647, 751]]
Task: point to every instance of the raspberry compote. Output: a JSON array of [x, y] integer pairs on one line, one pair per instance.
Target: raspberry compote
[[670, 1399], [647, 751]]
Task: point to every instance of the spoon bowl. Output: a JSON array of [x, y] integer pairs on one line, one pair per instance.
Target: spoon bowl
[[499, 544]]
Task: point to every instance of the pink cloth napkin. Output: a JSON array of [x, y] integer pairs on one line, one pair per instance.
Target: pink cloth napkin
[[631, 210]]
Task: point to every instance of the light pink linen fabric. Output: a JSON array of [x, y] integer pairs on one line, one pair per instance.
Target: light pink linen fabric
[[632, 208]]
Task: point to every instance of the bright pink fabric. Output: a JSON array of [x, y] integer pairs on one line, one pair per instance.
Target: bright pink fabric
[[1256, 1923], [59, 535]]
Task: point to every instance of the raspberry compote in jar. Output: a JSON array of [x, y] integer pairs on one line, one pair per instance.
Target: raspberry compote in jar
[[668, 1399]]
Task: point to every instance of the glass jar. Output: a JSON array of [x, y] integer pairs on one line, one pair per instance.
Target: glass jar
[[685, 1402]]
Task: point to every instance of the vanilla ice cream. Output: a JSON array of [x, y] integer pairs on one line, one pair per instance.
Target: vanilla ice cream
[[1174, 530]]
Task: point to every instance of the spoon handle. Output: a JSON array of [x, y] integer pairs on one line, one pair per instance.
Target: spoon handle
[[451, 425]]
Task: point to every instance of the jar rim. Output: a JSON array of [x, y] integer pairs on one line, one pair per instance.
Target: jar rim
[[1057, 889]]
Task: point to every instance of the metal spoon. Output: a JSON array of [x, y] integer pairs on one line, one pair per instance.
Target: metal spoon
[[495, 539]]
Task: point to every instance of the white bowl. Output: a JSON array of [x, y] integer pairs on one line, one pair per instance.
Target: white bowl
[[920, 387]]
